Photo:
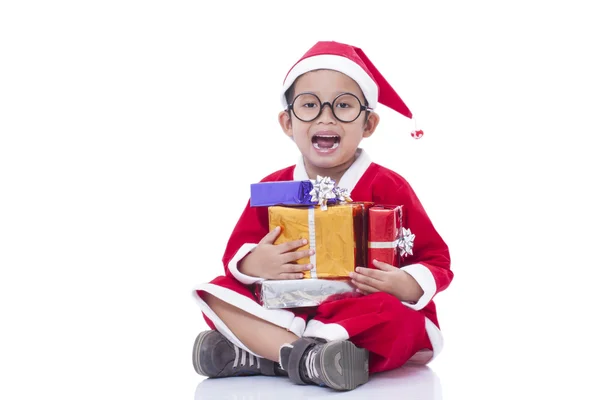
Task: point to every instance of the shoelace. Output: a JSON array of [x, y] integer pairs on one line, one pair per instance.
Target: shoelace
[[241, 356], [311, 368]]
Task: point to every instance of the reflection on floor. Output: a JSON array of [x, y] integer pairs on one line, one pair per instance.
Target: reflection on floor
[[408, 382]]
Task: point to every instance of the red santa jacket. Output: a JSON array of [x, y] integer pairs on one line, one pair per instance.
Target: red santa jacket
[[367, 181]]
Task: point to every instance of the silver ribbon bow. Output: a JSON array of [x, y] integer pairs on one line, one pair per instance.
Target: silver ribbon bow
[[342, 194], [324, 189], [406, 242]]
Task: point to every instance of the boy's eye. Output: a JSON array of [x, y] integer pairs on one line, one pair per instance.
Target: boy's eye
[[310, 105], [347, 102]]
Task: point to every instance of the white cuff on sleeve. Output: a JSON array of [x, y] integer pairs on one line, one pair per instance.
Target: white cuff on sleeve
[[425, 279], [233, 265]]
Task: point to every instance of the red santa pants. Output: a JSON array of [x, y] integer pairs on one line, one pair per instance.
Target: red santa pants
[[391, 332]]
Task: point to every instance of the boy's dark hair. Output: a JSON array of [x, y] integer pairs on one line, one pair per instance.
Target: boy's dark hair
[[289, 96]]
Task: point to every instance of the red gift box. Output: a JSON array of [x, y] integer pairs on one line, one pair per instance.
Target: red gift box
[[385, 230]]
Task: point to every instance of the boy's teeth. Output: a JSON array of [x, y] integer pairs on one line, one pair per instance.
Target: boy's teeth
[[316, 146]]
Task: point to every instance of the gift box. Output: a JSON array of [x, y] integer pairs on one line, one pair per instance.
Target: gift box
[[293, 293], [281, 193], [385, 234], [321, 191], [338, 235]]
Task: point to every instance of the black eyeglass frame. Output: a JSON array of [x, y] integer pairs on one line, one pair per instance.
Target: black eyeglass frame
[[330, 104]]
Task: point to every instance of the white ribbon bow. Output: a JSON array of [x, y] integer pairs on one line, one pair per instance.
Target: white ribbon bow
[[406, 242], [324, 189]]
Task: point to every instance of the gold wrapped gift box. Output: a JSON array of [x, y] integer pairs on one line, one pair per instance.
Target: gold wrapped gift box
[[338, 235]]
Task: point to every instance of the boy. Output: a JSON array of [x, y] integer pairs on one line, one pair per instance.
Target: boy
[[329, 97]]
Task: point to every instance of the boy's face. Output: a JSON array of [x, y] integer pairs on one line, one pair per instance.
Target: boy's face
[[327, 144]]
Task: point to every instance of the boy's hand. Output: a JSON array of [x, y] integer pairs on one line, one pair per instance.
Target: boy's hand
[[389, 279], [271, 261]]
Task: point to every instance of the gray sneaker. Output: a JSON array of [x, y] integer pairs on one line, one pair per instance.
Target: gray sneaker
[[339, 365], [216, 357]]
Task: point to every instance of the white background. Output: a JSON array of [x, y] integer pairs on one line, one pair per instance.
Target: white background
[[130, 132]]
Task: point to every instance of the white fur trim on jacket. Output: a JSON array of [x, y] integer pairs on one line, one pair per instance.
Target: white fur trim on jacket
[[425, 279], [350, 177], [233, 265], [283, 318], [329, 332], [425, 356]]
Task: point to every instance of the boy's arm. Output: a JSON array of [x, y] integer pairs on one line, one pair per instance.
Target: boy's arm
[[249, 230], [429, 263]]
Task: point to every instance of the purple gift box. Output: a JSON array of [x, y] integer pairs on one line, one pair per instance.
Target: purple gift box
[[321, 191], [288, 193]]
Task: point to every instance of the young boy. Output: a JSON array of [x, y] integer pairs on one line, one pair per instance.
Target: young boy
[[329, 96]]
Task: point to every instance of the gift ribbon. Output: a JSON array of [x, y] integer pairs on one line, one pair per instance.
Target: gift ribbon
[[405, 243], [312, 241], [324, 189], [384, 245]]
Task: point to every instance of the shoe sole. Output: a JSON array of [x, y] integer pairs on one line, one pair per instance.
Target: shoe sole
[[196, 352], [344, 366]]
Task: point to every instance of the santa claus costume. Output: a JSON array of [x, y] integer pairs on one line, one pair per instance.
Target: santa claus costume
[[394, 332]]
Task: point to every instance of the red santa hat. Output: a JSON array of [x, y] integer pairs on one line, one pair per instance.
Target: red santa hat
[[350, 61]]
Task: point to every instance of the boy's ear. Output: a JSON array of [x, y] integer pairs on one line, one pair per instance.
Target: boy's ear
[[371, 124], [286, 123]]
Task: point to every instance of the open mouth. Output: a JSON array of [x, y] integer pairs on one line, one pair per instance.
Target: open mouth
[[325, 142]]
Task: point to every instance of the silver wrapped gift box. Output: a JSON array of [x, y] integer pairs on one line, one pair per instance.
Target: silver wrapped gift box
[[302, 292]]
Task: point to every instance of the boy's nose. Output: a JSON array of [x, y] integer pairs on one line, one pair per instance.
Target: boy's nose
[[326, 113]]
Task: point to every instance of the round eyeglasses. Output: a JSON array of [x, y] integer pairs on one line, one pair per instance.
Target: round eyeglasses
[[346, 107]]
